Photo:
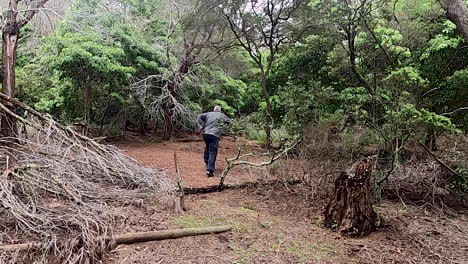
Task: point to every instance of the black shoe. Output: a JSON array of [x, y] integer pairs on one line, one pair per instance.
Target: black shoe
[[210, 174]]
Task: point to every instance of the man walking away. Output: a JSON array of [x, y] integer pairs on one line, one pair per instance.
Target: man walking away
[[211, 125]]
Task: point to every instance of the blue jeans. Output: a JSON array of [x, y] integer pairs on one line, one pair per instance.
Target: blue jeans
[[211, 151]]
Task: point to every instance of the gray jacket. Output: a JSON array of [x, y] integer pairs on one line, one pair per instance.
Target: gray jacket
[[213, 123]]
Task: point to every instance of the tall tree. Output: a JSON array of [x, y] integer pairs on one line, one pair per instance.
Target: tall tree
[[11, 23], [261, 28]]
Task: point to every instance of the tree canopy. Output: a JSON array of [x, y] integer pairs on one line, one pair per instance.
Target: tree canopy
[[397, 68]]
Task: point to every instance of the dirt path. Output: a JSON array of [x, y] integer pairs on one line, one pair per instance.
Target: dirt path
[[190, 160], [265, 231], [275, 225]]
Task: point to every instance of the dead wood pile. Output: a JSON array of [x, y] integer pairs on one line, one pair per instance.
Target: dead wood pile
[[54, 187]]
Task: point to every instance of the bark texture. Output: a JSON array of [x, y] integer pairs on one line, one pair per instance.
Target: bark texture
[[457, 12], [350, 209], [10, 36], [13, 22]]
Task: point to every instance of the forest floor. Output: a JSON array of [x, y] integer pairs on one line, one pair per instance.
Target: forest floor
[[277, 225]]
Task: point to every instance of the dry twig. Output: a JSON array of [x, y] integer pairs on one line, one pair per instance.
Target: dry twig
[[231, 163], [55, 185]]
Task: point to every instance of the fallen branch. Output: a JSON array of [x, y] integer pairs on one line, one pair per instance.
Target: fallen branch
[[217, 188], [79, 174], [439, 161], [131, 238], [231, 163]]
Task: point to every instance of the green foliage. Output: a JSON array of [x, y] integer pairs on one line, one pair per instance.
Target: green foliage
[[300, 85], [453, 94], [443, 64], [88, 63], [390, 40], [301, 105], [44, 92], [250, 127], [460, 183], [442, 41], [211, 86], [82, 57], [409, 120], [138, 52], [412, 61]]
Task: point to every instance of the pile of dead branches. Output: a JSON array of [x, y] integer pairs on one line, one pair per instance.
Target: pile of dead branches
[[426, 176], [420, 176], [54, 187]]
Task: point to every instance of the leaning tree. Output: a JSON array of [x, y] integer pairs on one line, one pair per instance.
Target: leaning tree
[[194, 35]]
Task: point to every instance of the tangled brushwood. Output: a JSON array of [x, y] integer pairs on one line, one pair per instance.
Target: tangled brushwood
[[54, 189]]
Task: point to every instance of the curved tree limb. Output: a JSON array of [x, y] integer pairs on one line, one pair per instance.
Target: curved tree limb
[[439, 161], [237, 160]]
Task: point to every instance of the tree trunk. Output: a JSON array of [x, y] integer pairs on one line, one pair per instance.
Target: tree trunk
[[268, 117], [351, 38], [168, 115], [10, 37], [350, 209], [101, 122], [430, 141], [168, 126], [88, 104], [185, 65], [457, 12]]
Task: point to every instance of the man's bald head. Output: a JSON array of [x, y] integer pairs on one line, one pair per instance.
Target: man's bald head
[[217, 108]]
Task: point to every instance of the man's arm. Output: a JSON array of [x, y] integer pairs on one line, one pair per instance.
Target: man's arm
[[201, 119], [227, 120]]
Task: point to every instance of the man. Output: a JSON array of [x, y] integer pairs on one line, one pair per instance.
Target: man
[[211, 125]]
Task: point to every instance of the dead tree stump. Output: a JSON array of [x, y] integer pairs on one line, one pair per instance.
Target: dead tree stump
[[350, 209]]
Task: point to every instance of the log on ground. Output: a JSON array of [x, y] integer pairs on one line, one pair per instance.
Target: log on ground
[[217, 188], [131, 238]]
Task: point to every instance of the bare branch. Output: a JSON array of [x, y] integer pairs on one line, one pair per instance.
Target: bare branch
[[455, 111], [231, 163], [30, 13]]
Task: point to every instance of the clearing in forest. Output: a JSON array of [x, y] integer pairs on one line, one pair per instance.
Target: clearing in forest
[[190, 160], [275, 225]]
